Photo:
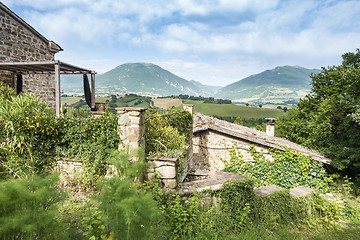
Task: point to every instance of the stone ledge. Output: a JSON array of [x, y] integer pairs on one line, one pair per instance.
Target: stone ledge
[[128, 109], [164, 159], [267, 190], [301, 191]]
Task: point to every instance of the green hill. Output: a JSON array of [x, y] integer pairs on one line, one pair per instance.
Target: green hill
[[139, 78], [146, 79], [276, 85]]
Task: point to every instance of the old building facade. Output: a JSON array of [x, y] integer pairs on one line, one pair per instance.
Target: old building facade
[[213, 139], [19, 42]]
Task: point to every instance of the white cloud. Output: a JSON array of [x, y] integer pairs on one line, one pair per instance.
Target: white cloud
[[211, 40]]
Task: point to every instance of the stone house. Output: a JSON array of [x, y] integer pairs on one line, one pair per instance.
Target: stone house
[[213, 138], [19, 42], [27, 60]]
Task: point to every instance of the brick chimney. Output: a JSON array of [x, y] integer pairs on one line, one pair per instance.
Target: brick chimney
[[270, 126]]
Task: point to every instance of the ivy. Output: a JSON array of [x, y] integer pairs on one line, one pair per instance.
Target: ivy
[[288, 169]]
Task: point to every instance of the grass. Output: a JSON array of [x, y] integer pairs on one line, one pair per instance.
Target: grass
[[223, 110]]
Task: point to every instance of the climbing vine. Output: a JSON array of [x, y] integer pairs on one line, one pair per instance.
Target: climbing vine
[[288, 169]]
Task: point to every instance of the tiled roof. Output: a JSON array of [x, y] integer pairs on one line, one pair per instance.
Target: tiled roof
[[206, 123]]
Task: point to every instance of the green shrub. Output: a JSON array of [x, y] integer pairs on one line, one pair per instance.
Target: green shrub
[[28, 135], [288, 169], [128, 212], [167, 133], [28, 208], [89, 140]]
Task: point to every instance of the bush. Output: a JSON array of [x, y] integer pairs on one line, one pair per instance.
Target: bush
[[288, 169], [28, 208], [28, 134], [166, 133]]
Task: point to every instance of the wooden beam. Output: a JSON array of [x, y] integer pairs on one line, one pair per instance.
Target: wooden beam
[[57, 89], [92, 90]]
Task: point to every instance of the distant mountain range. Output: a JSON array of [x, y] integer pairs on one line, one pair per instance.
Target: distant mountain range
[[140, 78], [281, 83]]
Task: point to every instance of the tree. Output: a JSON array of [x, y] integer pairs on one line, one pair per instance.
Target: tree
[[327, 119], [350, 59], [239, 121]]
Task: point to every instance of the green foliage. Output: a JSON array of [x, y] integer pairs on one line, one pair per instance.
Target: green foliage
[[180, 216], [229, 110], [238, 121], [89, 140], [277, 209], [235, 200], [288, 169], [327, 118], [28, 134], [128, 212], [167, 132], [28, 207], [94, 226]]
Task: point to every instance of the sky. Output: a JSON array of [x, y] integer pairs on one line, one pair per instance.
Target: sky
[[215, 42]]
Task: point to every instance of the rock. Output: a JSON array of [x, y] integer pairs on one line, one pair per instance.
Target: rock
[[301, 191], [267, 190]]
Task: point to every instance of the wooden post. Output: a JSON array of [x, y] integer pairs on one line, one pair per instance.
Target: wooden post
[[57, 88], [14, 80], [92, 90]]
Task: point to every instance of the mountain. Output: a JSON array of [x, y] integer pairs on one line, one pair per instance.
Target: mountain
[[146, 79], [280, 83], [208, 88], [140, 78]]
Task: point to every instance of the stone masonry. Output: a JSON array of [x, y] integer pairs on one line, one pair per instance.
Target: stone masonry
[[19, 42], [131, 128]]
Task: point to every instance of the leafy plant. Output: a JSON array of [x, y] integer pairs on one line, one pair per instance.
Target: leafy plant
[[28, 134], [128, 212], [28, 207], [326, 119], [168, 132], [288, 169]]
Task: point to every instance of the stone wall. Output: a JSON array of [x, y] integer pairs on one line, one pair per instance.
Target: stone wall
[[209, 147], [18, 43], [131, 128]]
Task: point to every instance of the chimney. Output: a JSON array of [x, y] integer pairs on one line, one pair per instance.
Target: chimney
[[270, 126]]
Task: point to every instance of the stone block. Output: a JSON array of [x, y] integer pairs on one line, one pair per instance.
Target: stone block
[[170, 183], [157, 164], [134, 133], [301, 191], [134, 113], [124, 120], [267, 190], [135, 120], [133, 146], [150, 176], [167, 172]]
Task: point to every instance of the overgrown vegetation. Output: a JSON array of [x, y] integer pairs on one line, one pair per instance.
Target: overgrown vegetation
[[32, 139], [28, 134], [168, 132], [33, 206], [288, 169], [326, 119]]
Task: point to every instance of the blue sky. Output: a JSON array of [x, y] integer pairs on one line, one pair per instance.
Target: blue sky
[[216, 42]]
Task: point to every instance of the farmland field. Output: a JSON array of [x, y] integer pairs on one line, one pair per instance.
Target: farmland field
[[224, 110]]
